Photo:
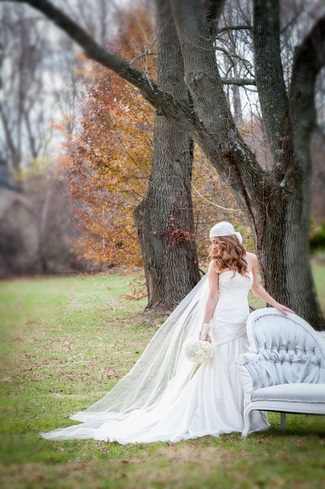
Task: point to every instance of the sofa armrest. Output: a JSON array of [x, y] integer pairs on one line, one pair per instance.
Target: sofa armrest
[[248, 366], [247, 384]]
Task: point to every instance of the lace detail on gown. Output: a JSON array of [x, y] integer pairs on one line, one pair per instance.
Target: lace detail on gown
[[211, 402]]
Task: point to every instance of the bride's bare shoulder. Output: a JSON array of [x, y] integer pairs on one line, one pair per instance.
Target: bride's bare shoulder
[[251, 258]]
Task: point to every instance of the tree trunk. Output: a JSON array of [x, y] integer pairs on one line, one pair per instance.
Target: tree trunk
[[283, 250], [164, 219], [282, 227]]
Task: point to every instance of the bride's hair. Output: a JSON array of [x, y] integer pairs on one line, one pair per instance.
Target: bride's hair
[[230, 255]]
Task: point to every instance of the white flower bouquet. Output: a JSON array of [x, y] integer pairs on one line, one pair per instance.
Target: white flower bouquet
[[197, 351]]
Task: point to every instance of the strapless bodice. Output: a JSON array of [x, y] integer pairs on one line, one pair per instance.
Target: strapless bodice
[[232, 309]]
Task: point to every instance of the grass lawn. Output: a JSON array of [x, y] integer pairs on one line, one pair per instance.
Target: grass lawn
[[65, 342]]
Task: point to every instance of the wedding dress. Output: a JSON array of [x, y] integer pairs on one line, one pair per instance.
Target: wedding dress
[[163, 398]]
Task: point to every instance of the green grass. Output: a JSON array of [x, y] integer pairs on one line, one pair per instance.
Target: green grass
[[65, 342], [319, 277]]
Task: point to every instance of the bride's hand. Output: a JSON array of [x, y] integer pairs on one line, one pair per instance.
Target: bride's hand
[[200, 334], [204, 332], [204, 338], [283, 309]]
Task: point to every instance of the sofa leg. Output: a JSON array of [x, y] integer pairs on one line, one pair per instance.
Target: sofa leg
[[246, 425], [282, 421]]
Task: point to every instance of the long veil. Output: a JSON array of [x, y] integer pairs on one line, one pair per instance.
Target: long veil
[[161, 370]]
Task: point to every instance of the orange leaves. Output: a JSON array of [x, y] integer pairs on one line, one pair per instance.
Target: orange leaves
[[108, 161]]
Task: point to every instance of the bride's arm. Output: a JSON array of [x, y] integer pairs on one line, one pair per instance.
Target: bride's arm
[[258, 290], [213, 296]]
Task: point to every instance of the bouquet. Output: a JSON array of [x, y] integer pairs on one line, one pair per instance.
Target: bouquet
[[197, 350]]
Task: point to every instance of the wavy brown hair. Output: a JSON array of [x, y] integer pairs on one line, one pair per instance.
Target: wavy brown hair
[[231, 255]]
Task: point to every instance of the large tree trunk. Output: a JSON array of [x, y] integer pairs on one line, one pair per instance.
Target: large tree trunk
[[283, 249], [164, 219], [289, 121]]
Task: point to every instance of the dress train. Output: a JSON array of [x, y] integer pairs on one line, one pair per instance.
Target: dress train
[[163, 398]]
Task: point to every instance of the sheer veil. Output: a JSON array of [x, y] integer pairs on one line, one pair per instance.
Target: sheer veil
[[162, 370]]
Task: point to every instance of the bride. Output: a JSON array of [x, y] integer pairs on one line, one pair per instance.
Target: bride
[[163, 397]]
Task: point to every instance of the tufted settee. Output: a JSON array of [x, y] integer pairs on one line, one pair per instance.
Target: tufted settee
[[284, 370]]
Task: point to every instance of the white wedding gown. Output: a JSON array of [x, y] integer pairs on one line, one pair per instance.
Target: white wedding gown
[[209, 401]]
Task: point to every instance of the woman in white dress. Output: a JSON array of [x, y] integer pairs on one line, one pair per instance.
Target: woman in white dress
[[162, 398]]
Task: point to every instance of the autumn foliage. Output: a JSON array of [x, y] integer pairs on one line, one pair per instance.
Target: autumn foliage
[[107, 161]]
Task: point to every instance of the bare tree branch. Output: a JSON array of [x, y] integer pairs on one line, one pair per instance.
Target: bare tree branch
[[245, 62], [165, 103], [234, 28], [241, 82]]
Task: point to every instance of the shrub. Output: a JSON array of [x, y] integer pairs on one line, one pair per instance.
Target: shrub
[[317, 238]]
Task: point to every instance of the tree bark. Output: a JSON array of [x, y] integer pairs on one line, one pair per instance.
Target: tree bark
[[284, 252], [269, 77], [284, 217], [164, 219]]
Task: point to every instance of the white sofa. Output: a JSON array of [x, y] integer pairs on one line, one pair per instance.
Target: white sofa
[[284, 370]]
